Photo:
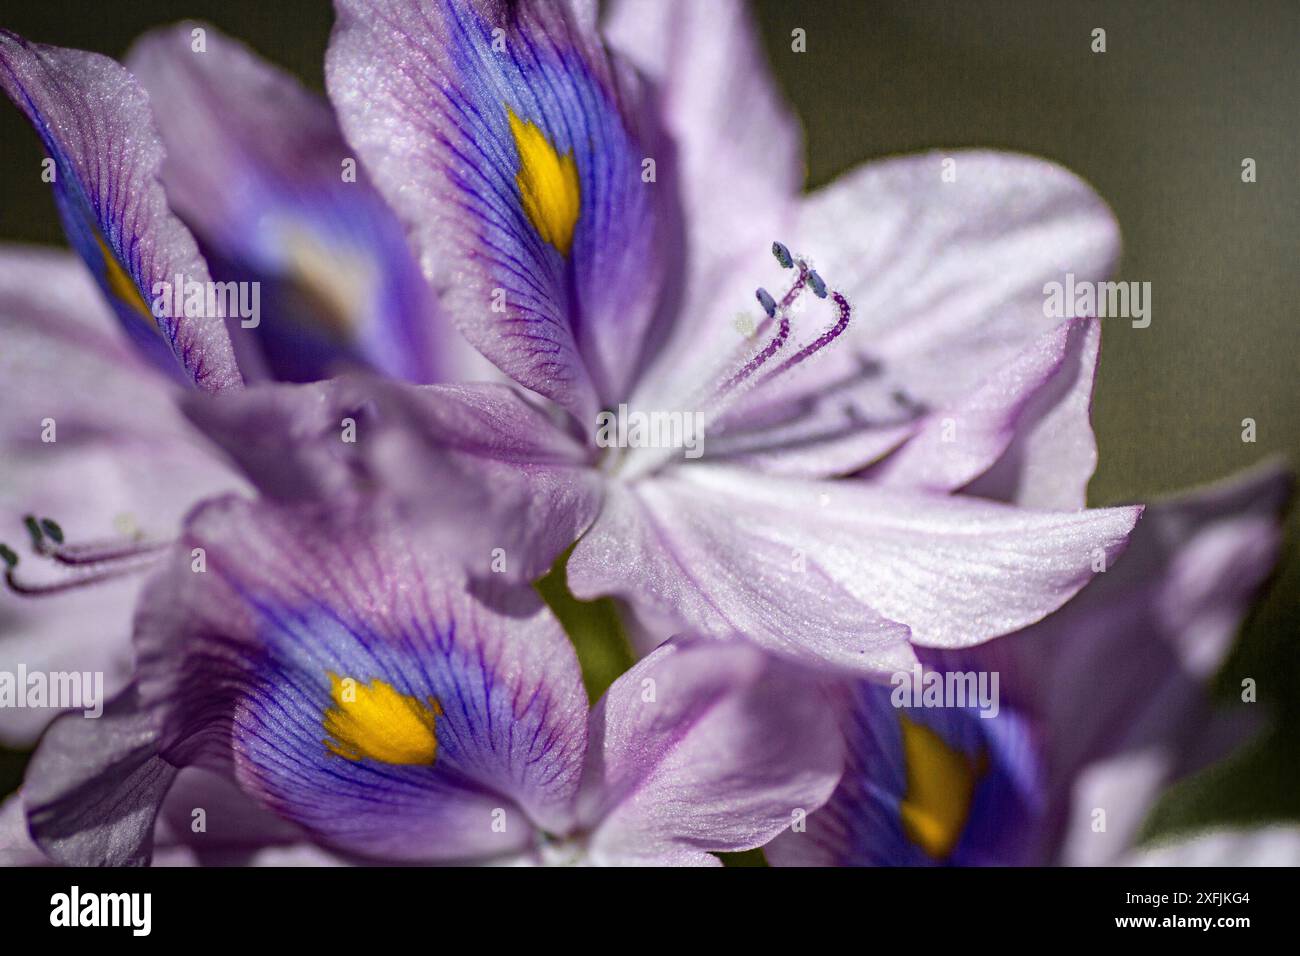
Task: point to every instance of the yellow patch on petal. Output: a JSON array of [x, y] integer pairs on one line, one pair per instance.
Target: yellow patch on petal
[[122, 285], [548, 184], [941, 782], [377, 722]]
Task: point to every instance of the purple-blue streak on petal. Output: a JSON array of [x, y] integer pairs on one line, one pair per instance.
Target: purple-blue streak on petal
[[245, 662], [259, 169], [453, 105], [93, 120]]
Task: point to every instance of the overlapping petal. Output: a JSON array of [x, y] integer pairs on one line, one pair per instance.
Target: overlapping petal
[[508, 142], [90, 437], [465, 728], [1144, 636], [94, 787], [1029, 421], [739, 146], [205, 820], [93, 120], [258, 168], [840, 571], [705, 745], [946, 283], [486, 475], [1150, 632]]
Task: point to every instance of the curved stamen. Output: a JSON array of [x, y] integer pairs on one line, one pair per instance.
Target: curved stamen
[[778, 312], [750, 367], [818, 286], [24, 589], [714, 402], [819, 343], [80, 555], [91, 562]]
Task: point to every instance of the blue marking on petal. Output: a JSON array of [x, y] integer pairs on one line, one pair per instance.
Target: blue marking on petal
[[864, 822]]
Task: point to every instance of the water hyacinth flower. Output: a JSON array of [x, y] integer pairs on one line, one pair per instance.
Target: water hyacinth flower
[[352, 685], [122, 467], [515, 147], [594, 270], [90, 432], [1101, 706], [895, 443], [257, 168]]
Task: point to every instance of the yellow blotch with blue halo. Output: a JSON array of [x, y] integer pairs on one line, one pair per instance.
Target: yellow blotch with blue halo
[[376, 722], [122, 285], [548, 184], [941, 783]]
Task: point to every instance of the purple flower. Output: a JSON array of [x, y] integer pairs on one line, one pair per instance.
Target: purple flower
[[882, 462], [1097, 709], [924, 359], [594, 231], [350, 683]]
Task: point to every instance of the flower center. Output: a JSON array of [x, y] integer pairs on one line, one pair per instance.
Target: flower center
[[778, 313], [747, 368]]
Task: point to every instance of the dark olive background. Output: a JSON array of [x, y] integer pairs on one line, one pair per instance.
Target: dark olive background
[[1159, 124]]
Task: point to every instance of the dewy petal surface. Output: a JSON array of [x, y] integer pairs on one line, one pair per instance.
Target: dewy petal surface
[[946, 283], [258, 168], [1029, 421], [723, 549], [93, 120], [359, 690], [704, 745], [676, 552], [507, 141]]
